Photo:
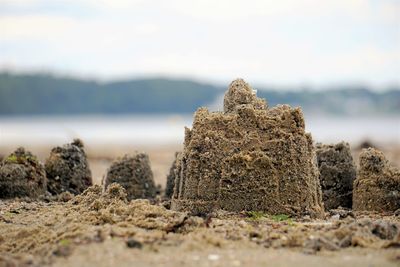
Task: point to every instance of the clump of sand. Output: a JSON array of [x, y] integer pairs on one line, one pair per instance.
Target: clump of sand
[[377, 187], [249, 157], [337, 174], [169, 188], [67, 169], [134, 174], [22, 175], [50, 229], [37, 233]]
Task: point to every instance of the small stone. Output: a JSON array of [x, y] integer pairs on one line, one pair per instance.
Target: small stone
[[65, 196], [342, 213], [319, 243], [132, 243], [335, 217], [213, 257], [385, 229], [397, 212]]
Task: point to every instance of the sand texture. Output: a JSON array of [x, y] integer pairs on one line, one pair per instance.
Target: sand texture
[[377, 187], [103, 228], [22, 175], [249, 157], [337, 174], [67, 169], [134, 174]]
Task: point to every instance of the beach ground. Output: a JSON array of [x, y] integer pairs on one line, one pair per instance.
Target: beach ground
[[103, 229]]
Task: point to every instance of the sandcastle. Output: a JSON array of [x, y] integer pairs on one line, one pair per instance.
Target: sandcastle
[[248, 157], [22, 175], [377, 187], [67, 169], [337, 174], [134, 174], [169, 188]]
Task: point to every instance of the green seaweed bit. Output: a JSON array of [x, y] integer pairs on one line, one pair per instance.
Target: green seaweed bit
[[15, 159], [12, 159], [280, 217], [256, 215], [64, 242], [283, 218]]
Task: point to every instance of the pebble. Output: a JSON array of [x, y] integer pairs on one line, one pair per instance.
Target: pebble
[[132, 243], [213, 257]]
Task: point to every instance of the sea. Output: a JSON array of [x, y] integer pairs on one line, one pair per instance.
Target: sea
[[169, 129]]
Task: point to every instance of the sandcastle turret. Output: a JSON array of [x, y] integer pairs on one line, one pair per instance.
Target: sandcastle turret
[[249, 157], [132, 172], [67, 169], [377, 187], [240, 93], [337, 174], [22, 175]]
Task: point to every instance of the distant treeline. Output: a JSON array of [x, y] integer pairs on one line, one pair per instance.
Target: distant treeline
[[47, 94]]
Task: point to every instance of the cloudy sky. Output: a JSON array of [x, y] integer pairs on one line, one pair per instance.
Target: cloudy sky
[[266, 42]]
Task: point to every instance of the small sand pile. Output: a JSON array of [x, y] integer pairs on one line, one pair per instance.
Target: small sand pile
[[377, 187], [337, 174], [169, 188], [134, 174], [113, 206], [67, 169], [364, 232], [248, 157], [51, 229], [22, 175]]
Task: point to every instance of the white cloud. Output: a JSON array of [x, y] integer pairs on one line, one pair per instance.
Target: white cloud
[[262, 40], [59, 28]]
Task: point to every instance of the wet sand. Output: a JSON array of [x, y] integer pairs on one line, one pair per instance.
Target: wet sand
[[105, 230]]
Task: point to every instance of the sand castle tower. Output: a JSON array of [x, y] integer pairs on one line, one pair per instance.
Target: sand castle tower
[[22, 175], [169, 187], [248, 157], [377, 187], [67, 169], [134, 174], [337, 174]]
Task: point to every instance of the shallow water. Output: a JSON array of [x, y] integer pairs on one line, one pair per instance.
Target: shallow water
[[169, 129]]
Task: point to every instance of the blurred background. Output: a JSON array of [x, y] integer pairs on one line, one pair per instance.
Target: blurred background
[[128, 75]]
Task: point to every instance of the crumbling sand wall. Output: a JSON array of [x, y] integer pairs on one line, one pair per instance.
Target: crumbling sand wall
[[169, 188], [248, 157], [377, 187], [337, 174], [134, 174], [22, 175]]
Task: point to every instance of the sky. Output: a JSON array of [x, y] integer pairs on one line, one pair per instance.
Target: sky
[[268, 42]]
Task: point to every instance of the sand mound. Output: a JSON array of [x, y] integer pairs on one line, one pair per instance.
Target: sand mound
[[48, 229], [134, 174], [169, 188], [248, 157], [377, 187], [67, 169], [337, 174], [22, 175]]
